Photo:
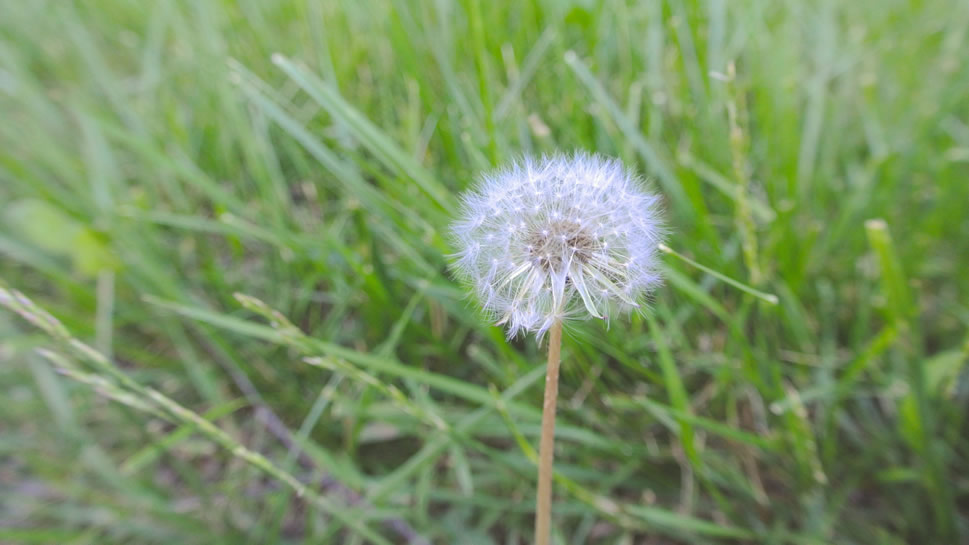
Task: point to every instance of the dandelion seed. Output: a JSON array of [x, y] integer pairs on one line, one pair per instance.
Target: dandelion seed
[[591, 219]]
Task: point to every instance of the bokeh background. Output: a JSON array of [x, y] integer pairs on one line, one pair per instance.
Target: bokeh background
[[158, 159]]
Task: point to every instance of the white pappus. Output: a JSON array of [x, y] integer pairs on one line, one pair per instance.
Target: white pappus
[[542, 239]]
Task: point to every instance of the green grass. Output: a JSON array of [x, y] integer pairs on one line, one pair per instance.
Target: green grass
[[240, 210]]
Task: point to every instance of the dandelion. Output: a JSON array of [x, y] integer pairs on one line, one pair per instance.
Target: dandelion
[[545, 241], [542, 241]]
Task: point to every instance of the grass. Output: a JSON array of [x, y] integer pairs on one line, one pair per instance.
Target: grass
[[237, 213]]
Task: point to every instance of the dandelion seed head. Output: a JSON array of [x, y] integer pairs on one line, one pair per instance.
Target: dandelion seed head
[[563, 237]]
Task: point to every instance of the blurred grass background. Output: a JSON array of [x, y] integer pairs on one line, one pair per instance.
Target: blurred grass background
[[158, 158]]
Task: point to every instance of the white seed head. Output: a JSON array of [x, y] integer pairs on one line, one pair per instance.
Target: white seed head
[[542, 239]]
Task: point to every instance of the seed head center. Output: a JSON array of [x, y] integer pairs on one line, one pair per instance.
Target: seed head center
[[554, 244]]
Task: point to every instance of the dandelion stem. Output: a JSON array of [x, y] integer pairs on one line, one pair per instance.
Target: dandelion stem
[[543, 505]]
